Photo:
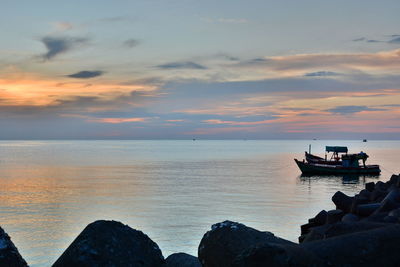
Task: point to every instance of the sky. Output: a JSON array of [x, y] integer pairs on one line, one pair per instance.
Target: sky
[[183, 69]]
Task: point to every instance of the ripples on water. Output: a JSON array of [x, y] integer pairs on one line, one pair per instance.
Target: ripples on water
[[171, 190]]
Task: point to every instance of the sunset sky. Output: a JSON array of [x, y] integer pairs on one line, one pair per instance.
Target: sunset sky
[[185, 69]]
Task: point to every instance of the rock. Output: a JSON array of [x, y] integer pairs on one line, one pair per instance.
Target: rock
[[182, 260], [227, 240], [395, 180], [365, 194], [349, 217], [370, 186], [390, 219], [395, 213], [358, 200], [377, 247], [9, 255], [275, 255], [340, 228], [391, 201], [334, 216], [376, 217], [305, 228], [342, 201], [381, 186], [320, 218], [367, 209], [378, 195], [111, 243]]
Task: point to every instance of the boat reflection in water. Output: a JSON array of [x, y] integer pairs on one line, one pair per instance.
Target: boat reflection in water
[[344, 178]]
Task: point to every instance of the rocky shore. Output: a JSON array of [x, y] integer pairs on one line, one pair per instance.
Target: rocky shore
[[363, 230]]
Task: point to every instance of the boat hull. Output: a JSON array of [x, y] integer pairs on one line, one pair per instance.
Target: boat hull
[[315, 168]]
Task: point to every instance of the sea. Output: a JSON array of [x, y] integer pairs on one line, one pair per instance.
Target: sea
[[172, 190]]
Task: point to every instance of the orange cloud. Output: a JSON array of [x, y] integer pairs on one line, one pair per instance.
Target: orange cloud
[[117, 120]]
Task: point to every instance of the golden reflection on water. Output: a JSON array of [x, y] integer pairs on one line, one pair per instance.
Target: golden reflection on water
[[172, 190]]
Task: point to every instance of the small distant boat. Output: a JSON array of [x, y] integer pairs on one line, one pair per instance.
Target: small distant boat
[[364, 140], [344, 164]]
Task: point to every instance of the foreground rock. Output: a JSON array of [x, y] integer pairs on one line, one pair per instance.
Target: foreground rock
[[234, 244], [377, 247], [9, 255], [182, 260], [377, 203], [111, 243], [278, 255]]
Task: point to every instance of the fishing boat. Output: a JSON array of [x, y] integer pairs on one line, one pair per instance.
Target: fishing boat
[[349, 164], [334, 159]]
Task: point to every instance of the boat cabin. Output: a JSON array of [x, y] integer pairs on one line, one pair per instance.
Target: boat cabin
[[336, 150], [352, 160]]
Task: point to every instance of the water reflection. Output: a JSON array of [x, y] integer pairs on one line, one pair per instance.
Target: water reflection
[[344, 179]]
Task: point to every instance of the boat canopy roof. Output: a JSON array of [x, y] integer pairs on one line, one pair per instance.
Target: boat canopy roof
[[337, 149]]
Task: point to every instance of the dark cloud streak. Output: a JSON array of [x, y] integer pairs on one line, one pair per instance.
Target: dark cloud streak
[[86, 74], [181, 65], [59, 45], [131, 43]]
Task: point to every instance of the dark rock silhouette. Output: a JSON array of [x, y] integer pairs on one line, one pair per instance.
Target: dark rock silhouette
[[111, 243], [9, 255], [227, 240], [182, 260], [376, 247], [272, 254]]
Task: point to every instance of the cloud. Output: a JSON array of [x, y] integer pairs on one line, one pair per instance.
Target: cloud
[[116, 120], [59, 45], [86, 74], [131, 43], [351, 109], [395, 41], [182, 65], [321, 74], [225, 20]]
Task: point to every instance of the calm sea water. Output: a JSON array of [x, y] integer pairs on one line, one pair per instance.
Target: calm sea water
[[172, 190]]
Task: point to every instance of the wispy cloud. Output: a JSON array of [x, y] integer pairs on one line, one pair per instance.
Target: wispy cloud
[[352, 109], [395, 41], [131, 43], [321, 74], [225, 20], [86, 74], [182, 65], [116, 120], [59, 45]]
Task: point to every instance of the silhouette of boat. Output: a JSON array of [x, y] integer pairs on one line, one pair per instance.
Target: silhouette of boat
[[335, 158], [344, 164]]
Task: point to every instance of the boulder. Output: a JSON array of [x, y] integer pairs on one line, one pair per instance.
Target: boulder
[[111, 243], [334, 216], [395, 180], [320, 218], [342, 201], [370, 186], [395, 213], [390, 219], [182, 260], [226, 240], [340, 228], [376, 247], [390, 202], [9, 255], [275, 255], [349, 217], [367, 209]]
